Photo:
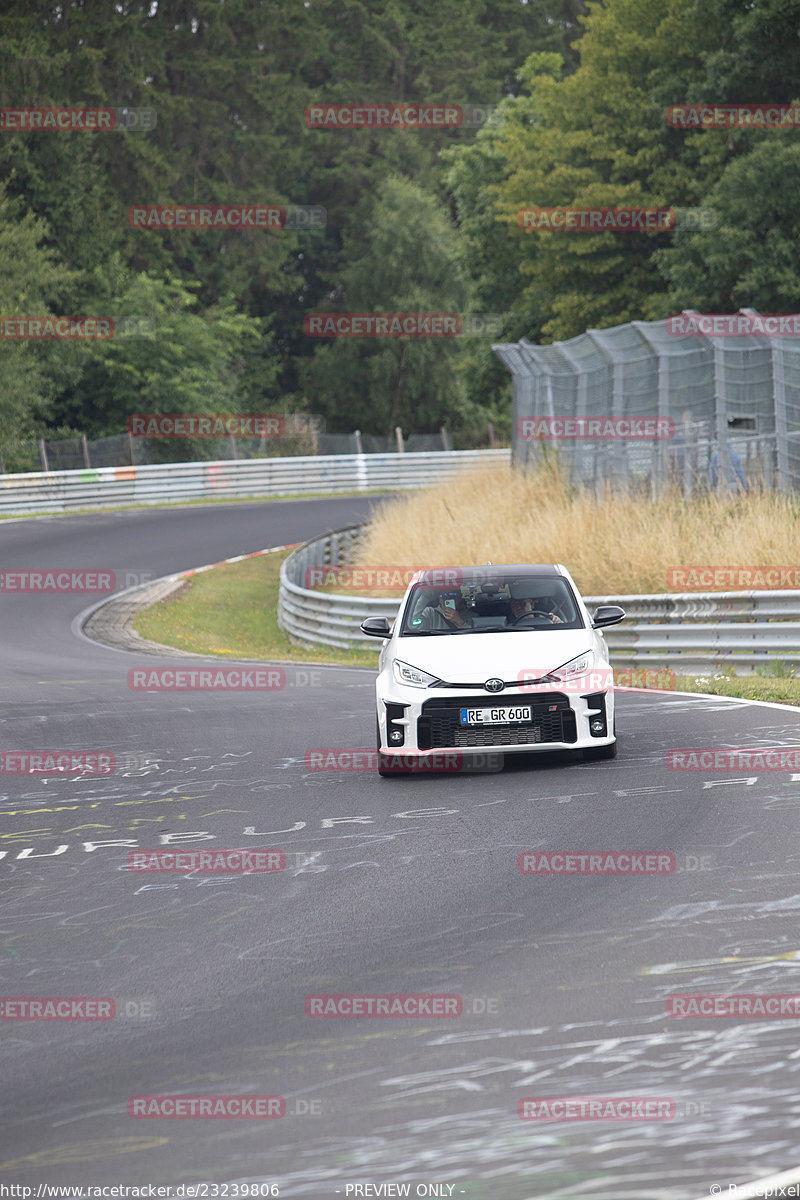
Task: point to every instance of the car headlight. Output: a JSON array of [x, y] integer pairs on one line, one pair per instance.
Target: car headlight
[[575, 666], [413, 676]]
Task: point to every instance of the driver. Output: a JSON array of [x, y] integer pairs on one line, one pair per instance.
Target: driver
[[450, 613], [520, 607]]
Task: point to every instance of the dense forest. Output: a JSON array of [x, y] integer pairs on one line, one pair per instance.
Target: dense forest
[[417, 220]]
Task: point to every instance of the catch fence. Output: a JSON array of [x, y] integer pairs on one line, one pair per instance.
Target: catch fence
[[724, 398]]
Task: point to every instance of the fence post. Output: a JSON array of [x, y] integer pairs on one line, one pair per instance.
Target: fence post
[[398, 433], [781, 426], [43, 455], [446, 445], [86, 460], [131, 450], [357, 440], [723, 481]]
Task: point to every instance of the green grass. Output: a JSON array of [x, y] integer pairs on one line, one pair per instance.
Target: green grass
[[780, 689], [232, 611]]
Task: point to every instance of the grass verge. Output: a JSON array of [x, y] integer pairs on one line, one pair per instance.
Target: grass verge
[[232, 611], [779, 689]]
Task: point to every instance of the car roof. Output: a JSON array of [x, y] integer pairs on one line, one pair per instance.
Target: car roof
[[474, 576], [518, 568]]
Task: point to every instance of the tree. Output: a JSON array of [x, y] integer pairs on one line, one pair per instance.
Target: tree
[[30, 278], [752, 258], [404, 261], [595, 137], [165, 358]]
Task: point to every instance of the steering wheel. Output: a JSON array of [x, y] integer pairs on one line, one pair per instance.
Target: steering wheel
[[534, 612]]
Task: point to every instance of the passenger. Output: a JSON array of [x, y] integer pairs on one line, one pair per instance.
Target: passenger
[[449, 613]]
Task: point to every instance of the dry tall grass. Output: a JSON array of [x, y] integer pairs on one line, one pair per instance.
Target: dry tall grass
[[615, 544]]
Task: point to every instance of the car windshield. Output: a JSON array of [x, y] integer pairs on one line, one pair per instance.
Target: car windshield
[[513, 603]]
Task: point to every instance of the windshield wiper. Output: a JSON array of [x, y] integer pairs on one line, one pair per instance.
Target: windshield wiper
[[482, 629], [429, 632]]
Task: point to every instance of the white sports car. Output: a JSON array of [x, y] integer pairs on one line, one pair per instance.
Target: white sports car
[[500, 658]]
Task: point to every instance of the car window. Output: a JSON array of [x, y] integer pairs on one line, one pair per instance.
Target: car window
[[510, 603]]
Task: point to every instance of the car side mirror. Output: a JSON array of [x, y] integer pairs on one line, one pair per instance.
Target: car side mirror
[[607, 614], [376, 627]]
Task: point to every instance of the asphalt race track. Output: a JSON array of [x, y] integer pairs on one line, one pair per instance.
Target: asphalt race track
[[405, 886]]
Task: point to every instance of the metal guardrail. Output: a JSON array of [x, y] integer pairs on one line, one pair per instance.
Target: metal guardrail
[[688, 632], [66, 491]]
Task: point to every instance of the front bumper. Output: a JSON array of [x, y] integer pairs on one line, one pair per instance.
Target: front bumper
[[418, 720]]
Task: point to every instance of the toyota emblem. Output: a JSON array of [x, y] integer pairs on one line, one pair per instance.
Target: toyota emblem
[[494, 685]]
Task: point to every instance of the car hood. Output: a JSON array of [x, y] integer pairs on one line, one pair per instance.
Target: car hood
[[474, 658]]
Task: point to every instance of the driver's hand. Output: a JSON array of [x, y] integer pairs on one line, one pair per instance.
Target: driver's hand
[[556, 620]]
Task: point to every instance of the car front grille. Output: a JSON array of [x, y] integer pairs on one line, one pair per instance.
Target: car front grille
[[553, 720]]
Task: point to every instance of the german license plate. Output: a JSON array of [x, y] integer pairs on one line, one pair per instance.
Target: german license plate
[[495, 716]]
